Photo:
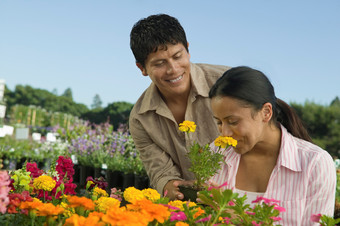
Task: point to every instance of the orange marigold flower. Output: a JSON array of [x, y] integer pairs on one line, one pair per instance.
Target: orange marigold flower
[[93, 219], [75, 220], [151, 210], [199, 212], [48, 209], [119, 216], [32, 205], [75, 201], [180, 223]]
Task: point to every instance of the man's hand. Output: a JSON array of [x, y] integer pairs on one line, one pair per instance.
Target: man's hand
[[172, 191]]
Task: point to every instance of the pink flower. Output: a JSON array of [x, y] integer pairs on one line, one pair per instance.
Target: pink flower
[[256, 224], [178, 216], [204, 219], [265, 200], [231, 203], [280, 208], [218, 187], [315, 217], [276, 218], [250, 213], [4, 189]]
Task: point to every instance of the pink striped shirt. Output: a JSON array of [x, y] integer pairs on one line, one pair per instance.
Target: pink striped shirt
[[304, 179]]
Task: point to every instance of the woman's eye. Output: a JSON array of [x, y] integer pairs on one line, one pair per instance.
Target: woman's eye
[[233, 122]]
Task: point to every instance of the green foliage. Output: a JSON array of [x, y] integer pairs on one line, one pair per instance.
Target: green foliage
[[323, 124], [204, 162], [228, 205], [117, 113], [11, 148], [26, 95]]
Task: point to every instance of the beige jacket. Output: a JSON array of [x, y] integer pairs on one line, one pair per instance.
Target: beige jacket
[[155, 131]]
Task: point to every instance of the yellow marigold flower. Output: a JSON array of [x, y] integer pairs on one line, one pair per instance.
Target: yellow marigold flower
[[187, 126], [44, 182], [150, 210], [75, 201], [98, 192], [191, 204], [69, 211], [104, 203], [119, 216], [151, 194], [48, 209], [178, 204], [180, 223], [132, 194], [223, 142]]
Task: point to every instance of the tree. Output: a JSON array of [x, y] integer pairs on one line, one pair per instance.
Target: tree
[[97, 102], [117, 113], [68, 93], [335, 102]]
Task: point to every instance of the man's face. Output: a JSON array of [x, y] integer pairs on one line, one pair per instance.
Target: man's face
[[169, 70]]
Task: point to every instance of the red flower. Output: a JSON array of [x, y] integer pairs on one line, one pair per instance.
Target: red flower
[[33, 168], [65, 167], [15, 199], [100, 182]]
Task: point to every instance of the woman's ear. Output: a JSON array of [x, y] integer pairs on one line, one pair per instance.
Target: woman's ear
[[267, 112]]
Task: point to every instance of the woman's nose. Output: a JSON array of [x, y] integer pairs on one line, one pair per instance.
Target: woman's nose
[[226, 131]]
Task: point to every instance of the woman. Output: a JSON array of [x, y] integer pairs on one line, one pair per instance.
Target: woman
[[274, 157]]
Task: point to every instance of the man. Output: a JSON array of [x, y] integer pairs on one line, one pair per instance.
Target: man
[[178, 92]]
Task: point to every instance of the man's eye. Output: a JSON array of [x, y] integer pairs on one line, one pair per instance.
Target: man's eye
[[178, 56]]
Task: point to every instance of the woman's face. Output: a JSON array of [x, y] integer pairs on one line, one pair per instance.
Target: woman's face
[[239, 121]]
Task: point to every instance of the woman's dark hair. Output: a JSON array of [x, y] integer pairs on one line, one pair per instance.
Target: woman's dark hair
[[154, 31], [254, 88]]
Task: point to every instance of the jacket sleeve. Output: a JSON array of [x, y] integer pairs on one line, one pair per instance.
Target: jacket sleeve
[[158, 164]]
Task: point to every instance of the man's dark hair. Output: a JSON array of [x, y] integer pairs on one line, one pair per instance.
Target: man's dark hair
[[155, 31]]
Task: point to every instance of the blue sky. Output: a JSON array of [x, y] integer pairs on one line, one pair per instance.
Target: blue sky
[[84, 45]]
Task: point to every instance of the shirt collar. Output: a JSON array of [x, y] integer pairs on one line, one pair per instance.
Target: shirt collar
[[198, 81], [289, 156]]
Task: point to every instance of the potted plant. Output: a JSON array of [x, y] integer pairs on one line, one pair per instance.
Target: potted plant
[[204, 162]]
